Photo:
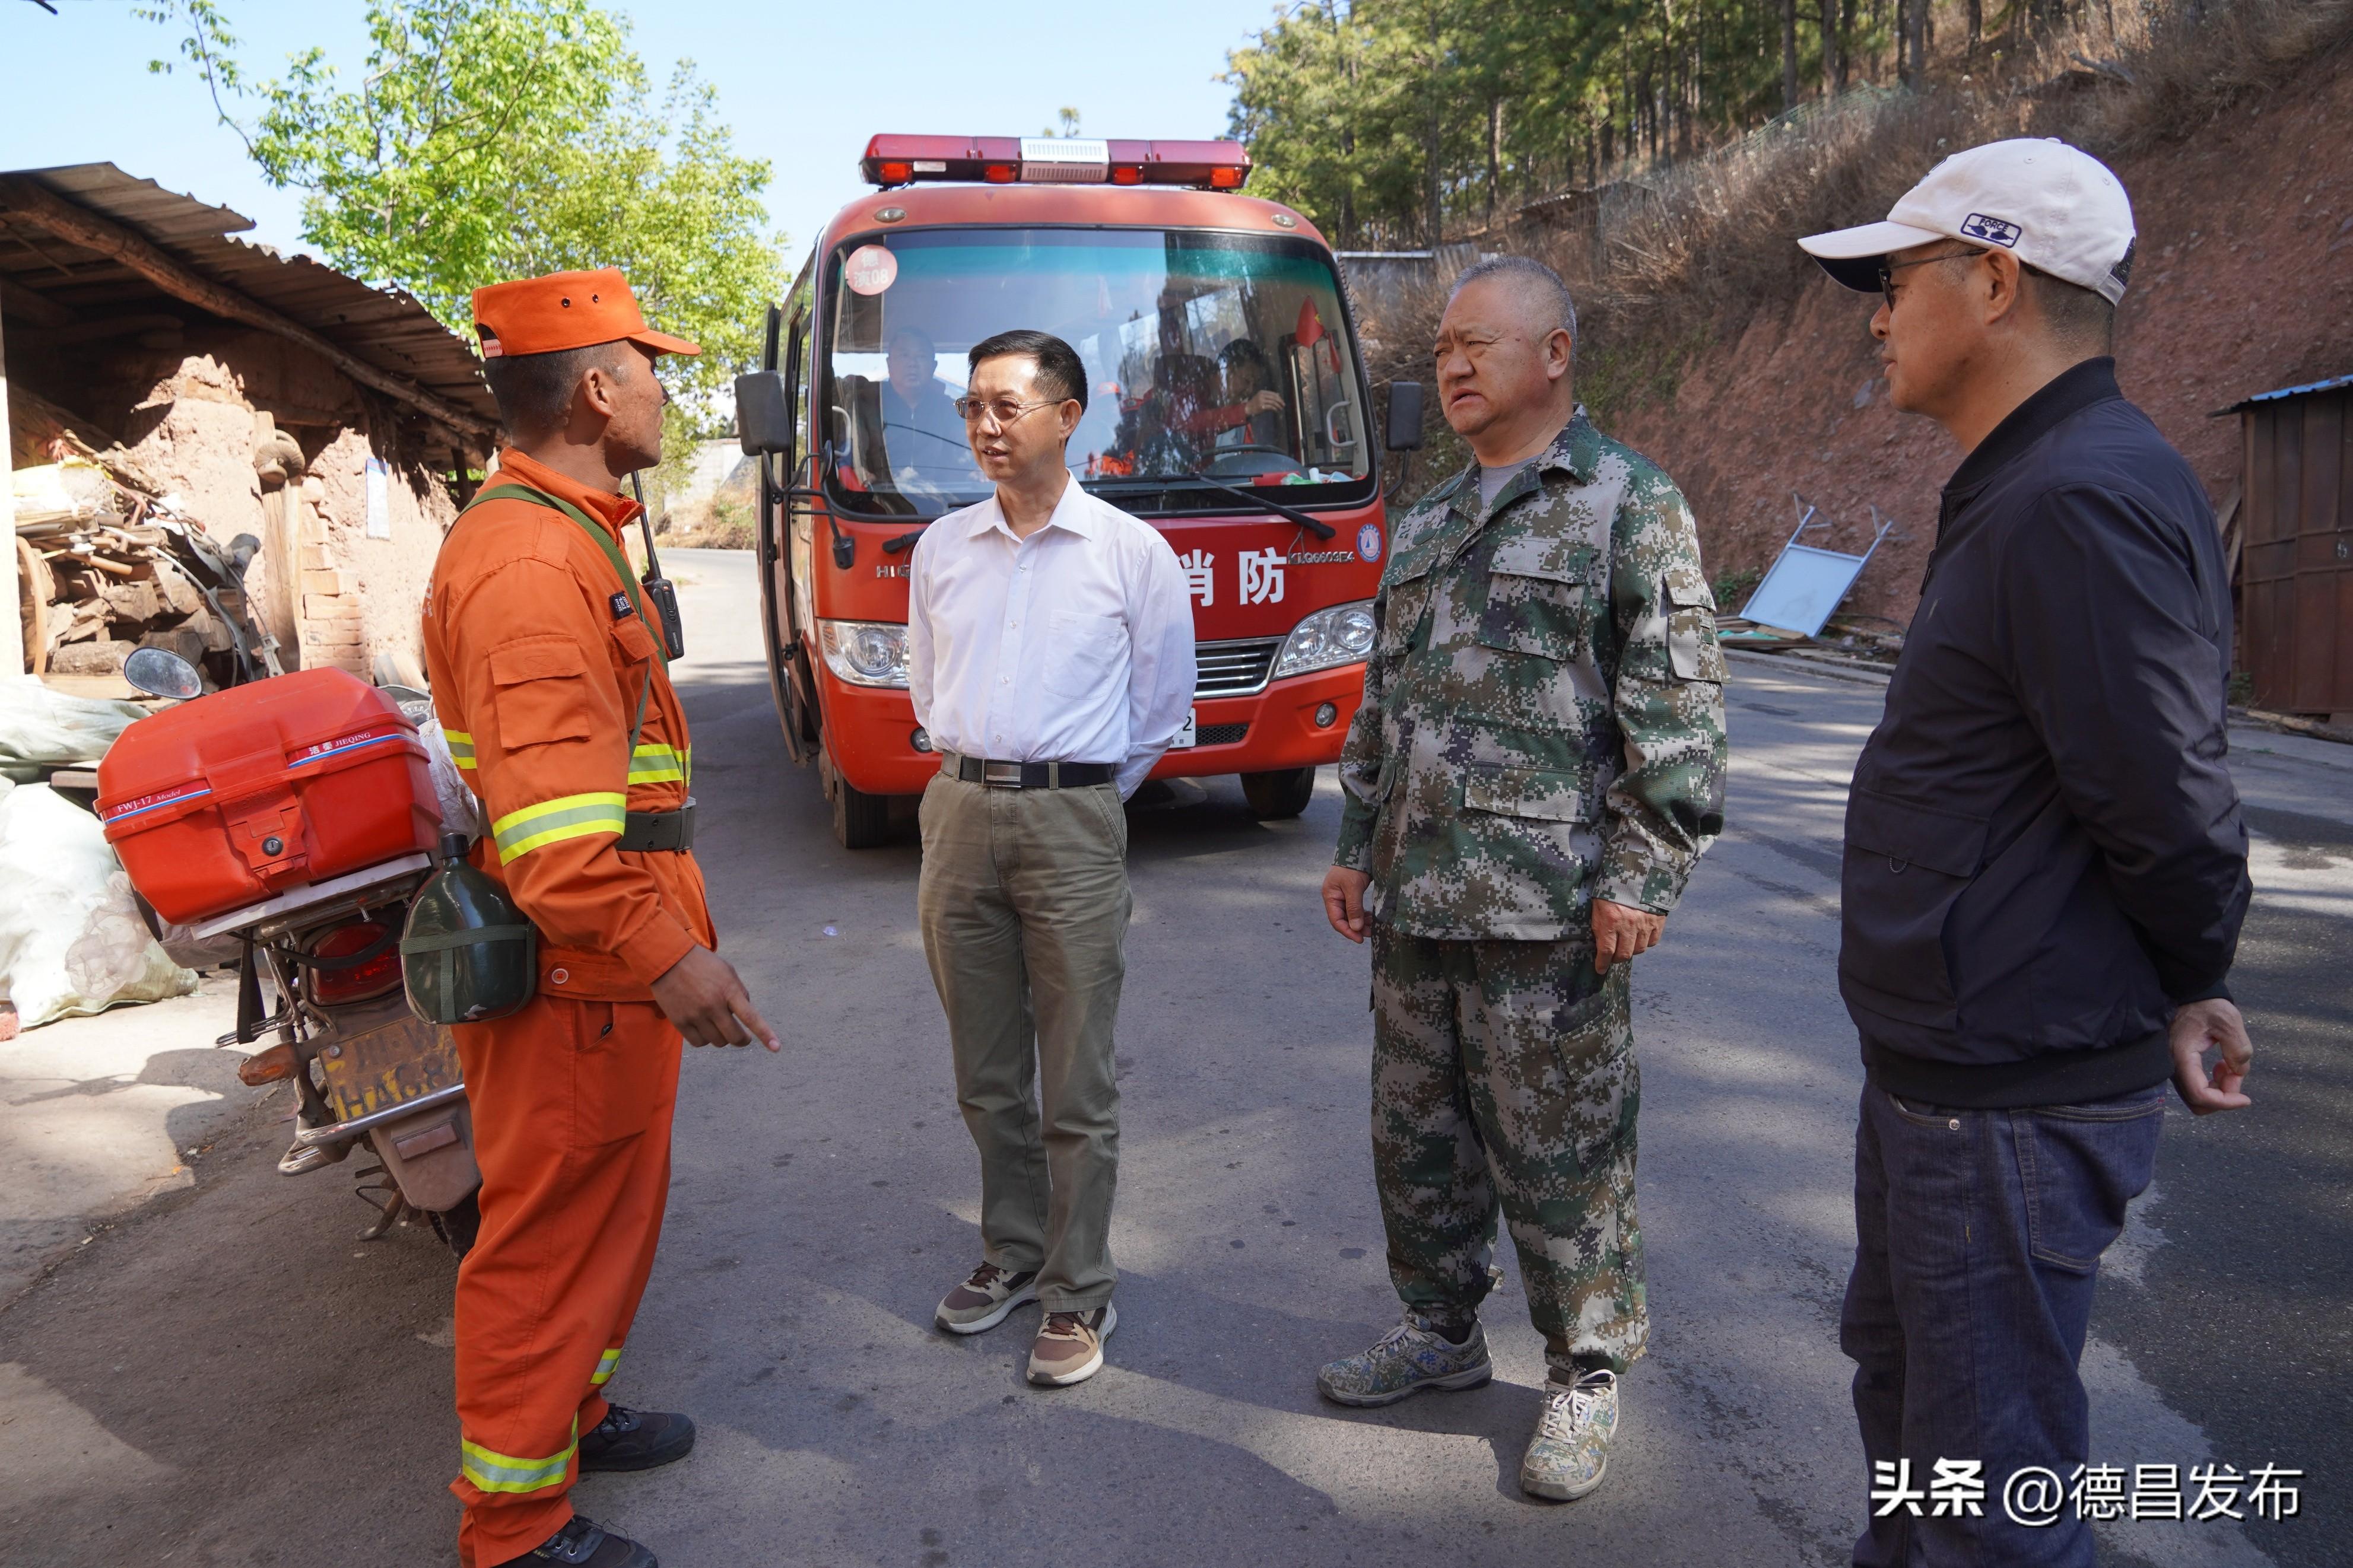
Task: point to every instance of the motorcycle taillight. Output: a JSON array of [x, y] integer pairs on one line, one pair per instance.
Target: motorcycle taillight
[[373, 977]]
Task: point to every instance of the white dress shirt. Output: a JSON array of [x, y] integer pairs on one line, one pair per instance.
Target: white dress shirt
[[1074, 645]]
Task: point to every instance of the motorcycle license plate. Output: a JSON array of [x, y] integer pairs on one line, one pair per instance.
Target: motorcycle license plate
[[1190, 735], [387, 1060]]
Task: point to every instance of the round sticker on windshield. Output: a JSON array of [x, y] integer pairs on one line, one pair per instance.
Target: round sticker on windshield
[[1368, 541], [869, 269]]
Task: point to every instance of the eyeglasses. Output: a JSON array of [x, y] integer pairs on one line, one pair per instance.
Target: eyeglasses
[[1004, 411], [1887, 271]]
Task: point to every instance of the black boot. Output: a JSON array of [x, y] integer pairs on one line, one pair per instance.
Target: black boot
[[583, 1543], [634, 1440]]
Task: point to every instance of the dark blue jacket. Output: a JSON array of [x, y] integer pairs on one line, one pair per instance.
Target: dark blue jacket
[[2044, 849]]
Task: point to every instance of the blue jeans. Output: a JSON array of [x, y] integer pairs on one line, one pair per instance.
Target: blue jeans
[[1978, 1236]]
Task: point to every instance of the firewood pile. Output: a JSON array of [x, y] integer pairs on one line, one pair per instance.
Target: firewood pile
[[108, 562]]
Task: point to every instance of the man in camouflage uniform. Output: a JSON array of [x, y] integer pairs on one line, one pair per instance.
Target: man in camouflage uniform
[[1538, 763]]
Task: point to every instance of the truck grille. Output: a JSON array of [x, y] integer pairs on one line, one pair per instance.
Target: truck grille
[[1220, 734], [1234, 669]]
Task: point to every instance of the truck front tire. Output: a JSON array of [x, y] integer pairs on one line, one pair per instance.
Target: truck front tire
[[1279, 795], [860, 821]]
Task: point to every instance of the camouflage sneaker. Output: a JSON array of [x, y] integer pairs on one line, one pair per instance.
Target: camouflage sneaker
[[1407, 1359], [1570, 1451]]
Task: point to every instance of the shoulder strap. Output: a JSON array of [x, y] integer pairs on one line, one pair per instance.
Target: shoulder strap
[[510, 490]]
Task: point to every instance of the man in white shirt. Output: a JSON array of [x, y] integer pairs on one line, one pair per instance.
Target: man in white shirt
[[1050, 650]]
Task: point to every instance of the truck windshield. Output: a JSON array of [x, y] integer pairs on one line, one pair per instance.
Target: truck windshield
[[1208, 354]]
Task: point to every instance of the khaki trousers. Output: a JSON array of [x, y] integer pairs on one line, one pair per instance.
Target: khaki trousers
[[1024, 905]]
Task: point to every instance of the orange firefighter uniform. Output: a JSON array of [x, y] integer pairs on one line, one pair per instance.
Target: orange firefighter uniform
[[538, 659]]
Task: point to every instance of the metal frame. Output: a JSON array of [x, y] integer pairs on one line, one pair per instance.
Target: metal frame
[[338, 1131], [1881, 528], [301, 899]]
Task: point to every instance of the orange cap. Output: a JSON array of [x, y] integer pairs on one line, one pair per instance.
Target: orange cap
[[565, 310]]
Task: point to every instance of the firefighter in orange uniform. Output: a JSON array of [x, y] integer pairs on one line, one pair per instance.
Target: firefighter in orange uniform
[[549, 675]]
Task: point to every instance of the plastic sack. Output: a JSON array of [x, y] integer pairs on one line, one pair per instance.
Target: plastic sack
[[460, 813], [41, 729], [71, 942]]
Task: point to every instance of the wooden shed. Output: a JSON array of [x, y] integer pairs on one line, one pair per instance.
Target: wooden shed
[[258, 392], [2296, 570]]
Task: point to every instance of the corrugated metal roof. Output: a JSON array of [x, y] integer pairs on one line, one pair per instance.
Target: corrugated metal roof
[[384, 327], [2332, 385]]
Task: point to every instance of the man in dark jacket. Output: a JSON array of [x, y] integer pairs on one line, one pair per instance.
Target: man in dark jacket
[[2046, 868]]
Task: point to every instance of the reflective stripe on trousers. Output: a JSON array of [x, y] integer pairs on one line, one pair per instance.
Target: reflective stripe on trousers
[[496, 1472]]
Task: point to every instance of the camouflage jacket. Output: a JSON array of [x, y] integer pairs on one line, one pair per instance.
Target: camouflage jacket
[[1543, 709]]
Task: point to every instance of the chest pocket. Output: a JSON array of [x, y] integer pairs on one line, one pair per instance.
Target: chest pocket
[[632, 642], [1404, 599], [1537, 598], [540, 690], [1084, 648]]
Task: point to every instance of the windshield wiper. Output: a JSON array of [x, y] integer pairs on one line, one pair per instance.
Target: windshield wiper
[[1317, 526]]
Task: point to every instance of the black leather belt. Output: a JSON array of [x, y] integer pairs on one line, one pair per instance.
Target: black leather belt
[[650, 831], [1027, 775]]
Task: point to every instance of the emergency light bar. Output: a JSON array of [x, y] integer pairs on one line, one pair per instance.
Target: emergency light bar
[[1053, 159]]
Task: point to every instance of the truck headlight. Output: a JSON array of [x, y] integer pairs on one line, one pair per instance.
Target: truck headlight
[[1341, 635], [865, 652]]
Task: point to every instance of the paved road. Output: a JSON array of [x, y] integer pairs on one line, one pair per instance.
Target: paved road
[[231, 1378]]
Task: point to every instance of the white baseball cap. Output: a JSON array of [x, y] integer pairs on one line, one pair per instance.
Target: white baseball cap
[[2055, 208]]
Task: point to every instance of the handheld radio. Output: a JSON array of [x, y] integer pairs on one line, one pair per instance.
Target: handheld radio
[[661, 591]]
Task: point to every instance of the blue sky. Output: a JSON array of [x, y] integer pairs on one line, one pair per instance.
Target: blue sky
[[804, 84]]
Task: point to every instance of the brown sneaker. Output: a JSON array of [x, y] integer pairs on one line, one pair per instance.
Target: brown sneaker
[[982, 1301], [1070, 1346]]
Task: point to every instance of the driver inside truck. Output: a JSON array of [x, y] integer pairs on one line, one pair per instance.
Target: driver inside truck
[[920, 430]]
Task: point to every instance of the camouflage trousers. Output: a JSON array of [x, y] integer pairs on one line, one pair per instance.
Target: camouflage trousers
[[1504, 1076]]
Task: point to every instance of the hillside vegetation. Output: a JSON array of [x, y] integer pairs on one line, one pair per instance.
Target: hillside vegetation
[[1645, 152]]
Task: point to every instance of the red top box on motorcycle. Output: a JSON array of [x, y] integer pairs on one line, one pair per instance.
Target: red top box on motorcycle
[[233, 798]]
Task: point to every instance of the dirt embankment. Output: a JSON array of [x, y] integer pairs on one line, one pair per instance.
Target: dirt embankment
[[2243, 284]]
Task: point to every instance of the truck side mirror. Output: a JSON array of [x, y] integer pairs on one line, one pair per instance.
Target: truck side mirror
[[764, 414], [1405, 415]]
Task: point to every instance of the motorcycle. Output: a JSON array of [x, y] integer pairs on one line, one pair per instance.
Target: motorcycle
[[367, 1072]]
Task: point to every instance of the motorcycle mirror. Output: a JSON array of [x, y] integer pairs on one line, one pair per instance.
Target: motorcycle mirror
[[159, 672]]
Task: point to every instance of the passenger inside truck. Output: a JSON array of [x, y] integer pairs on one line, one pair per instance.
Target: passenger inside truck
[[1252, 415]]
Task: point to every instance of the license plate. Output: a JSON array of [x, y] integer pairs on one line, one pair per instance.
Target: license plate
[[1190, 735], [380, 1061]]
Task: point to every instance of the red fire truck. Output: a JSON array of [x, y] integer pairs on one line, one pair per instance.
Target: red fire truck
[[1227, 406]]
